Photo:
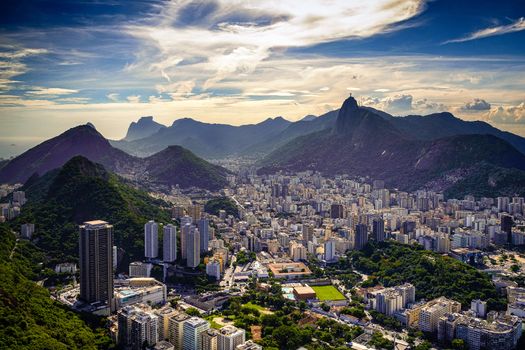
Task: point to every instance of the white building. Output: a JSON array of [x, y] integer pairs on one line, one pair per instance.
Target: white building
[[151, 240], [169, 243], [213, 268], [193, 253], [192, 329], [230, 337]]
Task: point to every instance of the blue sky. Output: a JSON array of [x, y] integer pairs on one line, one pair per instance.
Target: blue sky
[[63, 63]]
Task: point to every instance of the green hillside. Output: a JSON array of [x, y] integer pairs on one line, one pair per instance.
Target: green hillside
[[29, 318], [81, 191]]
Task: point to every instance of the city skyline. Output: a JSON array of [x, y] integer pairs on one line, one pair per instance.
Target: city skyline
[[240, 63]]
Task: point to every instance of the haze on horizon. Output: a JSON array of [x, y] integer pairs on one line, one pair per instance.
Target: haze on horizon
[[240, 62]]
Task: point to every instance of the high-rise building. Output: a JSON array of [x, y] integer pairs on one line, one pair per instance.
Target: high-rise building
[[193, 253], [213, 268], [176, 329], [210, 339], [192, 331], [308, 233], [169, 245], [329, 250], [96, 263], [143, 330], [337, 211], [361, 236], [230, 337], [185, 227], [164, 315], [204, 230], [151, 239], [432, 311], [378, 229], [27, 230], [506, 226], [124, 325]]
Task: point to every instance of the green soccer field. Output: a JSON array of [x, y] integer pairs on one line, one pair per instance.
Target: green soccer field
[[327, 293]]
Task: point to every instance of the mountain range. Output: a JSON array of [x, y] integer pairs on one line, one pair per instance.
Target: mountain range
[[206, 140], [364, 142], [437, 151], [212, 141], [173, 166]]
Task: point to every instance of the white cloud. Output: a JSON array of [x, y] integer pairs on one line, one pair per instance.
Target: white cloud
[[402, 104], [11, 65], [133, 98], [508, 114], [51, 91], [113, 97], [515, 26], [231, 39]]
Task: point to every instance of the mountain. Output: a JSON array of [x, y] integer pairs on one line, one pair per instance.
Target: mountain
[[296, 129], [204, 139], [53, 153], [79, 191], [185, 169], [308, 118], [144, 127], [363, 143], [178, 166], [439, 125]]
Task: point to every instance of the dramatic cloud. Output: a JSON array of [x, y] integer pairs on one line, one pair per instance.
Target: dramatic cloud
[[475, 106], [235, 37], [492, 31], [508, 114]]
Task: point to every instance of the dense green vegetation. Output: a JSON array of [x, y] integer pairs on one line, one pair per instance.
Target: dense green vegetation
[[285, 326], [29, 318], [432, 274], [82, 191], [244, 257], [221, 203]]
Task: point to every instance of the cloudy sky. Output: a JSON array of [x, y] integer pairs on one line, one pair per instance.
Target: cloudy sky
[[63, 63]]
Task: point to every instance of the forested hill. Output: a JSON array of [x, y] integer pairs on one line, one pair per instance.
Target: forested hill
[[80, 191], [29, 318], [433, 275]]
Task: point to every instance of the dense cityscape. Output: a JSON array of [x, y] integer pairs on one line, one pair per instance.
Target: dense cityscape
[[221, 273], [262, 175]]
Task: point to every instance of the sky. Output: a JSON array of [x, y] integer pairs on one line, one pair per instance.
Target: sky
[[65, 63]]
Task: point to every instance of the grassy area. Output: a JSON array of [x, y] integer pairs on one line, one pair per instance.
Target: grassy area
[[254, 306], [327, 293]]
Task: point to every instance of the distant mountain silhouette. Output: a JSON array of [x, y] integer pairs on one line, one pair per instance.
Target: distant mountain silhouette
[[363, 143], [221, 140], [144, 127], [205, 140], [185, 169]]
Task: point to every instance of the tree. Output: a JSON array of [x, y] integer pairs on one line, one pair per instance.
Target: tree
[[459, 344], [193, 311]]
